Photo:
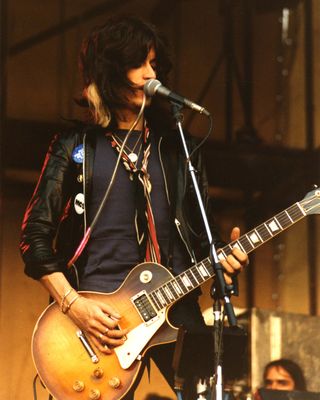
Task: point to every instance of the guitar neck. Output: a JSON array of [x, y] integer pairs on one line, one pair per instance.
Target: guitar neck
[[184, 283], [266, 231]]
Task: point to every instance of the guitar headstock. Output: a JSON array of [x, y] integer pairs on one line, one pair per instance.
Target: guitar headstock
[[311, 202]]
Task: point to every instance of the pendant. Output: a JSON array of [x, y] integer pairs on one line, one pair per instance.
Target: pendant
[[133, 157]]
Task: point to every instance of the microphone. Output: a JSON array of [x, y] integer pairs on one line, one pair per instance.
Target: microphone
[[153, 86]]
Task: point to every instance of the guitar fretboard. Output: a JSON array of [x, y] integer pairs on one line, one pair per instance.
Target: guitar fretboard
[[184, 283]]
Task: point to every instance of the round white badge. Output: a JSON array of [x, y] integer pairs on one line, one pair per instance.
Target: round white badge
[[79, 203]]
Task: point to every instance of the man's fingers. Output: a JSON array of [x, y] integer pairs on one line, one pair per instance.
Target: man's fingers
[[111, 338], [231, 264], [227, 279], [106, 321], [240, 256], [110, 311], [100, 345]]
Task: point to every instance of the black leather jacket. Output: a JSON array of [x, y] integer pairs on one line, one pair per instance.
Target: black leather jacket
[[52, 230]]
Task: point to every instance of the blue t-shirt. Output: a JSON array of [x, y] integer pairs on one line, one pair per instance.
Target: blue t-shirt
[[112, 250]]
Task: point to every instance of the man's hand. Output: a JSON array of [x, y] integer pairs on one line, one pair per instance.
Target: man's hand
[[236, 261], [100, 322]]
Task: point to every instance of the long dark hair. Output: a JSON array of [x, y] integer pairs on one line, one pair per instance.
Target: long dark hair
[[110, 50], [293, 370]]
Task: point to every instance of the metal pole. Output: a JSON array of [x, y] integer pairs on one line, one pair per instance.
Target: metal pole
[[309, 108], [309, 81], [229, 48]]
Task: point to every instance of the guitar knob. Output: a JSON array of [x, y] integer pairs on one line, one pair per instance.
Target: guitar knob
[[78, 386], [114, 382], [98, 373], [94, 394]]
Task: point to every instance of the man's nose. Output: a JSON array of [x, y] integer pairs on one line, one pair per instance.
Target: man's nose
[[149, 73], [273, 385]]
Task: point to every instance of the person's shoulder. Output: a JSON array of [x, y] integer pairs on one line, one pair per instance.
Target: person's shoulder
[[73, 131]]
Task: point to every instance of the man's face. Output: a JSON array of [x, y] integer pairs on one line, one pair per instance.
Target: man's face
[[139, 76], [278, 378]]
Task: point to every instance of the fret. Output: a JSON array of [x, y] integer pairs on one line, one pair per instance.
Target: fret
[[289, 216], [264, 232], [197, 274], [273, 226], [227, 250], [237, 245], [299, 208], [162, 300], [253, 239], [208, 266], [206, 262], [192, 278], [186, 281], [173, 290], [257, 233], [168, 292], [164, 295], [267, 227], [155, 301], [203, 270], [284, 220], [245, 243], [181, 284], [177, 287], [221, 254], [278, 222]]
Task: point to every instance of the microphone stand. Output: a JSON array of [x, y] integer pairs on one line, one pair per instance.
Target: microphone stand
[[218, 344], [222, 291]]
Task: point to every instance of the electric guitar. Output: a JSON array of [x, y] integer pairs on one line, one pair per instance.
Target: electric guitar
[[72, 368]]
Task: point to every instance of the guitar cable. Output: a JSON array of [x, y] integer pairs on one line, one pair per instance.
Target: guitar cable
[[34, 386]]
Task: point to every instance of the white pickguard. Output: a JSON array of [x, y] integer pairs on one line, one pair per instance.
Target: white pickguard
[[137, 339]]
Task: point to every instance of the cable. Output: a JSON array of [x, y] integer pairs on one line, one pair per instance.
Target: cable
[[34, 387], [107, 192], [210, 130], [106, 195]]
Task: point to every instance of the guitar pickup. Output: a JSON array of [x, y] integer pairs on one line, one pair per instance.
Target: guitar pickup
[[144, 306]]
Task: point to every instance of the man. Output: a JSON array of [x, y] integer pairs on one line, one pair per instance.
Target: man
[[283, 374], [150, 212]]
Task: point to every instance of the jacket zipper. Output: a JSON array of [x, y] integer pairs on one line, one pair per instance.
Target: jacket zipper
[[163, 172], [177, 222]]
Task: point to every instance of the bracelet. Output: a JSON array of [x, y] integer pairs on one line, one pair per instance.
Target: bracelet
[[70, 303], [64, 298]]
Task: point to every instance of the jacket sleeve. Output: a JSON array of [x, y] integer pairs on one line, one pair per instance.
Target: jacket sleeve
[[44, 211]]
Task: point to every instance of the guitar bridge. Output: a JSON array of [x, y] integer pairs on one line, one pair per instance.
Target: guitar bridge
[[88, 348], [144, 307]]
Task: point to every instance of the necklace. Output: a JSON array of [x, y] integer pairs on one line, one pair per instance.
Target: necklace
[[130, 152]]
